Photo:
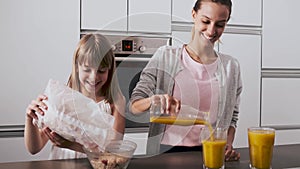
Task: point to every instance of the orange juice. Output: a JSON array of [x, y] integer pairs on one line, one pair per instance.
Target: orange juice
[[177, 121], [213, 153], [261, 142]]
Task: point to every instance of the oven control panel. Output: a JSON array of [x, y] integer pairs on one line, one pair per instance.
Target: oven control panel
[[136, 44]]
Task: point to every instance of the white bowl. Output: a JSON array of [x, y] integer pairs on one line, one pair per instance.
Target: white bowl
[[117, 155]]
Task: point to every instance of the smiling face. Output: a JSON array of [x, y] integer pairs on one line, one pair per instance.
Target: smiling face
[[92, 79], [210, 20]]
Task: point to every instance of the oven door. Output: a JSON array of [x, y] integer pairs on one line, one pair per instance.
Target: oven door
[[129, 68]]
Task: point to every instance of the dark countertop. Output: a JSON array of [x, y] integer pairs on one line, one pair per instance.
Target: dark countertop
[[284, 156]]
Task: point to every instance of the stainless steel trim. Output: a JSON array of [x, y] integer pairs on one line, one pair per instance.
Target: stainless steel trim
[[234, 29], [11, 127], [130, 59], [11, 131], [126, 33], [280, 73], [184, 27], [284, 127], [137, 130], [240, 30]]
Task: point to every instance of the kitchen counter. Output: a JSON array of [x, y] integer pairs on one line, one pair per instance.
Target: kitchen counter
[[285, 156]]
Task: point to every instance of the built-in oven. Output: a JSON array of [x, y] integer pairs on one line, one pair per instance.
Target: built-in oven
[[132, 53]]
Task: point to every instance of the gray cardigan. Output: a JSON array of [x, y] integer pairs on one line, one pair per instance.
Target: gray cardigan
[[158, 78]]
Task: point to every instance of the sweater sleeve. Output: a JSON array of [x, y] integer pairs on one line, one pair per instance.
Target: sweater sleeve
[[237, 98]]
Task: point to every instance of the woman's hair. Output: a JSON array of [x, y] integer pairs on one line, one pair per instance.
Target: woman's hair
[[95, 50], [227, 3]]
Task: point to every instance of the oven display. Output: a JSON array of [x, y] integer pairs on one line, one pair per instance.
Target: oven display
[[127, 45]]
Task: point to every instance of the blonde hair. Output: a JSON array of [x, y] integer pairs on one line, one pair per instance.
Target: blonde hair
[[95, 50]]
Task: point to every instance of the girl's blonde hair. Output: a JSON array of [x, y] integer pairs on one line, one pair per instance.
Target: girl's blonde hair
[[95, 50]]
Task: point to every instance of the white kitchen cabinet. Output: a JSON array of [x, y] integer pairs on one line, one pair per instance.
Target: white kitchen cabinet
[[280, 102], [280, 106], [149, 16], [280, 37], [140, 139], [283, 137], [38, 40], [13, 150], [246, 13], [247, 49], [99, 15], [182, 10]]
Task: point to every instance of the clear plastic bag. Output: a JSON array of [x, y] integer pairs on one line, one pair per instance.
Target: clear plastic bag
[[75, 116]]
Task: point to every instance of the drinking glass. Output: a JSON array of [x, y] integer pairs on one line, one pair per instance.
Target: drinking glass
[[214, 142], [261, 143]]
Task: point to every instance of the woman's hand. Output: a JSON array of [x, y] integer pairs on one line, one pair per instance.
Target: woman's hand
[[169, 104], [231, 154], [36, 106]]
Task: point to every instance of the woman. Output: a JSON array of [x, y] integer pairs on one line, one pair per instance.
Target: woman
[[192, 75]]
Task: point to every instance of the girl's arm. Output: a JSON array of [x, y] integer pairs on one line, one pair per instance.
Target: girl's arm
[[118, 111], [35, 139]]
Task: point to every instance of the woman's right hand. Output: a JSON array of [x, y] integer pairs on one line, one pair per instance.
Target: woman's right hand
[[36, 106], [170, 105]]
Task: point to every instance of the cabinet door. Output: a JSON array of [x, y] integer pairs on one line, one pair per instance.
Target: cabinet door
[[246, 13], [280, 101], [38, 39], [100, 15], [280, 108], [15, 150], [247, 49], [281, 40], [243, 12], [140, 139], [150, 16], [182, 10]]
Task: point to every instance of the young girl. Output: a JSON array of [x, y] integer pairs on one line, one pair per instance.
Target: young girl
[[93, 74]]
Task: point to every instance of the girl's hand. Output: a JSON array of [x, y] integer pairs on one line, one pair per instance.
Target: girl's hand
[[169, 104], [36, 106], [230, 154], [56, 139]]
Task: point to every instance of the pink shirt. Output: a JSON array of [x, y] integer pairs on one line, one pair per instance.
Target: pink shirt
[[196, 86]]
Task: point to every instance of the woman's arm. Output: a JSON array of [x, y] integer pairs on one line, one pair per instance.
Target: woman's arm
[[140, 105], [169, 104], [230, 153]]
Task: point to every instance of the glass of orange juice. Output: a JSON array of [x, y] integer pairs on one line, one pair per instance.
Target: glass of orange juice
[[213, 143], [261, 143]]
